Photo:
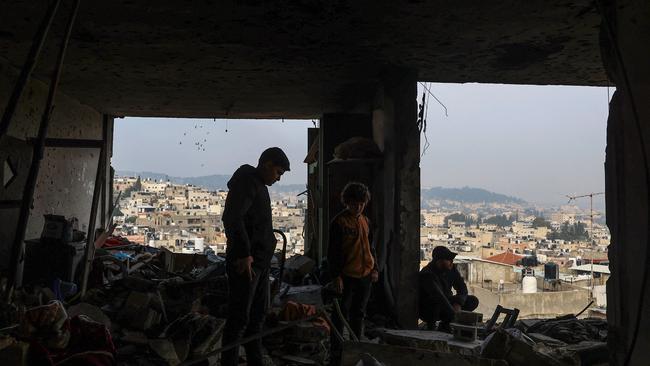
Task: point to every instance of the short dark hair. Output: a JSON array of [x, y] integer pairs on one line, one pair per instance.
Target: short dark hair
[[276, 156], [355, 192]]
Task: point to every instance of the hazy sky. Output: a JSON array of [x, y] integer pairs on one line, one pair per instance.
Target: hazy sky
[[534, 142]]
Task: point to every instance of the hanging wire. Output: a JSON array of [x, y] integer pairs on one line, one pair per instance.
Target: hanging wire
[[436, 98], [424, 126]]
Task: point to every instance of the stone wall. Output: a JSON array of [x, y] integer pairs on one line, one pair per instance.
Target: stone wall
[[537, 305]]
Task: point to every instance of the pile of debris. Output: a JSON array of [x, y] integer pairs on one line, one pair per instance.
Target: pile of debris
[[563, 341], [150, 306]]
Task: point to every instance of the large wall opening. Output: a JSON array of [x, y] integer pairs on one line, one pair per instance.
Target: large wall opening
[[173, 175], [508, 175]]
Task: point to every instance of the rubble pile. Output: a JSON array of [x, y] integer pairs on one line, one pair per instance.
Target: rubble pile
[[149, 306], [563, 341]]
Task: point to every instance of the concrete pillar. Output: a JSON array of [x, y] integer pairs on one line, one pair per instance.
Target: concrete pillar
[[625, 31], [335, 128], [395, 126]]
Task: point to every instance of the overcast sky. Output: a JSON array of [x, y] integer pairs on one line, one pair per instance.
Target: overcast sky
[[534, 142]]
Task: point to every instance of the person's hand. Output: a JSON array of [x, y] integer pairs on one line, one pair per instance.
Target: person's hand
[[243, 266], [374, 275], [338, 285], [456, 307]]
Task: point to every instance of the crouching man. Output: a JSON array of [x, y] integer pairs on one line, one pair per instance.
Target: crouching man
[[436, 280], [250, 246]]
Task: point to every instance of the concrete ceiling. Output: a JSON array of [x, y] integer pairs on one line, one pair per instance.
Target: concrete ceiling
[[299, 58]]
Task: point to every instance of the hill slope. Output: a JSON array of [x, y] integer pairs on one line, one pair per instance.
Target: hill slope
[[468, 195]]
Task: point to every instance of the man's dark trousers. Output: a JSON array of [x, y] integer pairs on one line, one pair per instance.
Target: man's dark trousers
[[436, 309], [356, 293], [248, 303]]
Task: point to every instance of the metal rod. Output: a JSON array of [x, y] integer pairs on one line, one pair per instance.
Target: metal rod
[[32, 177], [103, 182], [259, 335], [338, 334], [339, 313], [28, 67], [90, 239], [284, 254]]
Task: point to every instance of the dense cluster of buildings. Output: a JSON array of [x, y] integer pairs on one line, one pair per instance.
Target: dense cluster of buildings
[[495, 258], [498, 244], [187, 218]]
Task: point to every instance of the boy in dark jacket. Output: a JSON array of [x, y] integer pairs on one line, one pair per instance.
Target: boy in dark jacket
[[351, 259], [250, 246]]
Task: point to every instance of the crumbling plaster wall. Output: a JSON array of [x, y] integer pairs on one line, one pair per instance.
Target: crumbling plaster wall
[[625, 33], [67, 176]]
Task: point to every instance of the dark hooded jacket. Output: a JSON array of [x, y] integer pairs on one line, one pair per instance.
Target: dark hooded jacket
[[247, 218], [430, 277]]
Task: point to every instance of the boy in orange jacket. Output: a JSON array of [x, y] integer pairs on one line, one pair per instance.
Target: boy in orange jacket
[[351, 259]]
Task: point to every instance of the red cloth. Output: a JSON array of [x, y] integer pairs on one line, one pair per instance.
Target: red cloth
[[90, 344], [295, 311], [115, 241]]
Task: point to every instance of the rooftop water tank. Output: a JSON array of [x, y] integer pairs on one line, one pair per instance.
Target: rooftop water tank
[[529, 282], [551, 271]]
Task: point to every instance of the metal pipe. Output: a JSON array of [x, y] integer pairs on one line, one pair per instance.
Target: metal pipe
[[39, 146], [28, 67], [259, 335], [284, 254], [90, 239]]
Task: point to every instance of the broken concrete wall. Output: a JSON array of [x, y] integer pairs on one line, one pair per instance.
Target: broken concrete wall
[[624, 36], [395, 113], [67, 176]]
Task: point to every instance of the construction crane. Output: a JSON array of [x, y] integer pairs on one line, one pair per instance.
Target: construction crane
[[591, 226]]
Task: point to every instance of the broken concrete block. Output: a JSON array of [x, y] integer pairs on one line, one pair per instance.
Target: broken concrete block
[[137, 312], [15, 353], [431, 340], [468, 317], [295, 360], [512, 346], [310, 295], [297, 267], [91, 311], [165, 349], [390, 355]]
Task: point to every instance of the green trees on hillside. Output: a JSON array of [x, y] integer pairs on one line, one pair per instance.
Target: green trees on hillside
[[575, 232]]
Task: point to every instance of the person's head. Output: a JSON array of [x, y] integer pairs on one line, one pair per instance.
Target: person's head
[[355, 197], [443, 258], [272, 164]]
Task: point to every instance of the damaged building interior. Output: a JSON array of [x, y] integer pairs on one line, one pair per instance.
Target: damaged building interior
[[69, 68]]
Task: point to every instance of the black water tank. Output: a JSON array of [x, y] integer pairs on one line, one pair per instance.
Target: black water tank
[[551, 271], [529, 261]]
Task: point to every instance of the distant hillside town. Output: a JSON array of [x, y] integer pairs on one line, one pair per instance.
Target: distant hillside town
[[500, 239]]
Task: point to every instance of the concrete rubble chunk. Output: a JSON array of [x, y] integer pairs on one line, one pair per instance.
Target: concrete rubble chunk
[[91, 311], [516, 349], [310, 295], [297, 267], [391, 355], [430, 340], [166, 350]]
